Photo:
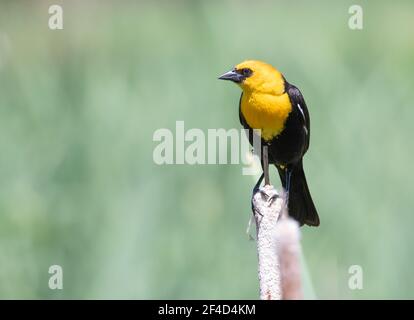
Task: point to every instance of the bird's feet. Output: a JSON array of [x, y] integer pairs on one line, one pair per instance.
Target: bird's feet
[[263, 199], [263, 195]]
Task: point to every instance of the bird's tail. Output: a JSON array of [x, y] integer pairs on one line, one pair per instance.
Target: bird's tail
[[300, 204]]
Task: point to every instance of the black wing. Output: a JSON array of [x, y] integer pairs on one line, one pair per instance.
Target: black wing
[[299, 106]]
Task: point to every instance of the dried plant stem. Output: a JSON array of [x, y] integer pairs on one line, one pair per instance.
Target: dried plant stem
[[278, 247], [267, 206], [288, 245]]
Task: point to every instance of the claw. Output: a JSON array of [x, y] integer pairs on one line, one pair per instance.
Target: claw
[[254, 209], [269, 196], [257, 212], [272, 199]]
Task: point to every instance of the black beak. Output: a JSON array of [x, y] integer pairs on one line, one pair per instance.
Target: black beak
[[233, 76]]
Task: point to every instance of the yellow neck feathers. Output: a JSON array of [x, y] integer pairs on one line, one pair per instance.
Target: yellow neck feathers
[[264, 104], [266, 112]]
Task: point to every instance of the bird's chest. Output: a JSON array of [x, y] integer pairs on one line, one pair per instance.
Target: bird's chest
[[266, 112]]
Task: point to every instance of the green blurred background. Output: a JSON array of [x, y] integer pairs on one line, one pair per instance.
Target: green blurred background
[[79, 106]]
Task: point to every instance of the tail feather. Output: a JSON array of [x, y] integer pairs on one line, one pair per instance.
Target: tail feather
[[300, 205]]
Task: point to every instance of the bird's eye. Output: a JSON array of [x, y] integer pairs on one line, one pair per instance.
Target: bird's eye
[[247, 72]]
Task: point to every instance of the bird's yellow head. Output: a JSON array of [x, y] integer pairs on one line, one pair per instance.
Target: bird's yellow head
[[256, 76]]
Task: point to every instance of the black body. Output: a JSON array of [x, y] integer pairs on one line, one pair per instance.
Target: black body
[[286, 151]]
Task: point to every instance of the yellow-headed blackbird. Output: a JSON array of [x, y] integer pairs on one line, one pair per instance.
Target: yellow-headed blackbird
[[269, 103]]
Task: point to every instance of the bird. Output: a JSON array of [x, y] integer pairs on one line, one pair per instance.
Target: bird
[[277, 108]]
